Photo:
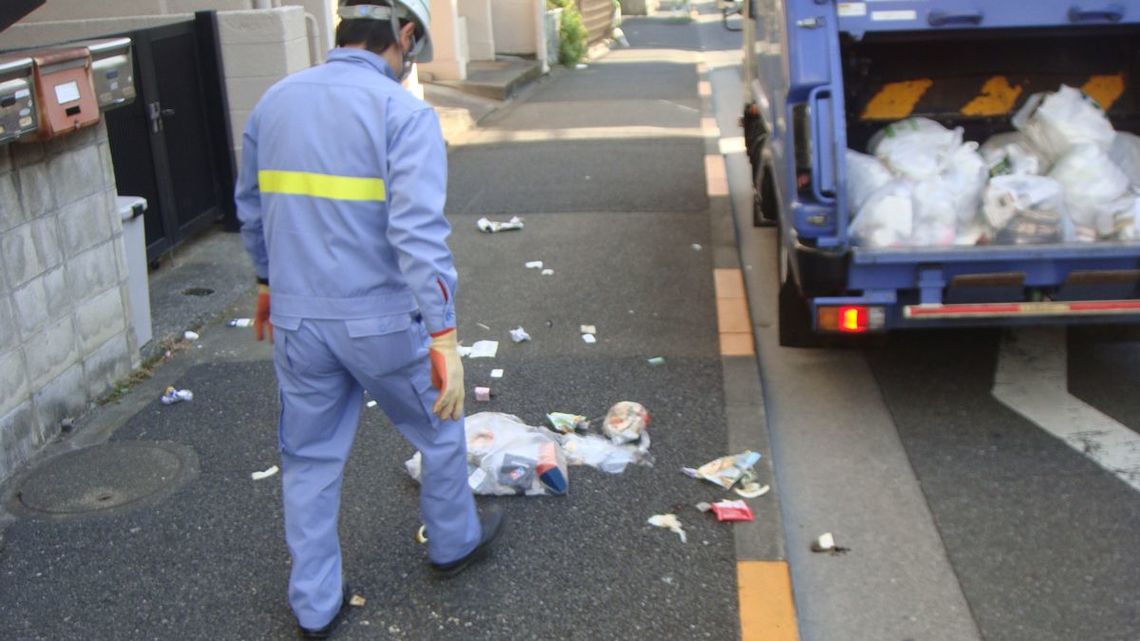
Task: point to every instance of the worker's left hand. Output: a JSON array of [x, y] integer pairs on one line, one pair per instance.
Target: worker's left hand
[[261, 317], [447, 374]]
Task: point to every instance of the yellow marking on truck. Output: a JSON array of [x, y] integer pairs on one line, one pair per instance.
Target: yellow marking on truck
[[896, 100], [997, 98], [1105, 89], [767, 608]]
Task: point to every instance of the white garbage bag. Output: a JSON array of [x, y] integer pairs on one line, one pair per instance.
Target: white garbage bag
[[1125, 152], [1012, 153], [1055, 122], [865, 174], [916, 148], [935, 214], [887, 218], [508, 457], [965, 177], [1093, 186], [1023, 209]]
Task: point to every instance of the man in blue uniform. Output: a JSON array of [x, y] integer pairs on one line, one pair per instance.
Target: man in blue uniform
[[341, 195]]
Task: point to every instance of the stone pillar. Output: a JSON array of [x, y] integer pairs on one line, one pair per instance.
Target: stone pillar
[[449, 61]]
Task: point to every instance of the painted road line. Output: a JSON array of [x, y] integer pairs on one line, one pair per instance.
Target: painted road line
[[715, 175], [767, 611], [1032, 380], [734, 323]]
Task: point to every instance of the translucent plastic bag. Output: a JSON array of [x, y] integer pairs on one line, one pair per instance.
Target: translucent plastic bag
[[935, 214], [1125, 152], [916, 148], [508, 457], [1092, 184], [1012, 153], [598, 452], [865, 175], [965, 178], [1055, 122], [1023, 209], [887, 218]]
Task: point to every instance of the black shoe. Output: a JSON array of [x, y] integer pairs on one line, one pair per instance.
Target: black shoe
[[327, 631], [492, 523]]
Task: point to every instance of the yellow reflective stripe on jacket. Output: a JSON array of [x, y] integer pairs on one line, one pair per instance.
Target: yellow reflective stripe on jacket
[[303, 183]]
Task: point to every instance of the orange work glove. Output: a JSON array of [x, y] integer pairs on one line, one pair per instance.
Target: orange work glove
[[447, 374], [261, 317]]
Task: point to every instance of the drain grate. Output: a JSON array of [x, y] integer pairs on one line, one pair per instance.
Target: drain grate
[[197, 291], [106, 477]]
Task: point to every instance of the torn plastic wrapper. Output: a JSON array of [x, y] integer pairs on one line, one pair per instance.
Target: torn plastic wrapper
[[732, 511], [519, 335], [508, 457], [564, 423], [626, 422], [726, 471], [493, 226], [172, 396]]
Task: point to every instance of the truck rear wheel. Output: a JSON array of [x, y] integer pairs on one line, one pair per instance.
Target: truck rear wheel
[[794, 313], [765, 210]]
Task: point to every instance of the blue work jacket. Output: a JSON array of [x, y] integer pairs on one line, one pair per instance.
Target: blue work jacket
[[341, 192]]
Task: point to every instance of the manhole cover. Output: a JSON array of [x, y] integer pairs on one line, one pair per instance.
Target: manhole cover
[[197, 291], [105, 477]]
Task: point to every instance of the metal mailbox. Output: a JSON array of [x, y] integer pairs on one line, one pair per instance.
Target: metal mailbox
[[112, 71], [17, 99], [65, 93]]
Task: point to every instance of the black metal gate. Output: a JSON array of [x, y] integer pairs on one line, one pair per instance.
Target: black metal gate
[[172, 145]]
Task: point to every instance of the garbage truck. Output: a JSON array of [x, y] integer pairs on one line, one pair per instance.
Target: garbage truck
[[828, 80]]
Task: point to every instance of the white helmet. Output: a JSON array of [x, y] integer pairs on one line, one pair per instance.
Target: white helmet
[[394, 11]]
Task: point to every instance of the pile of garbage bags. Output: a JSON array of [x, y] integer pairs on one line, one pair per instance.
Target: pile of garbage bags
[[1064, 175]]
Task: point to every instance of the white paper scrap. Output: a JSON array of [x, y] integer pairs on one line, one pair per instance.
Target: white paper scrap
[[496, 373], [371, 404], [589, 329], [670, 522], [484, 349], [534, 264], [548, 272], [589, 338], [257, 476]]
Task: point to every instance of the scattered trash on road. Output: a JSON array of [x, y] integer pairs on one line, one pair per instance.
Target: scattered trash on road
[[257, 476], [732, 511], [483, 394], [564, 423], [421, 535], [496, 373], [669, 522], [486, 327], [656, 360], [519, 335], [590, 339], [356, 601], [370, 404], [191, 336], [696, 247], [626, 422], [752, 490], [172, 396], [589, 329], [240, 322], [492, 226], [826, 543], [483, 349], [548, 272], [534, 264], [726, 471], [508, 457]]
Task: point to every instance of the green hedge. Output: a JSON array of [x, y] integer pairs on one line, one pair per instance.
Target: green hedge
[[572, 36]]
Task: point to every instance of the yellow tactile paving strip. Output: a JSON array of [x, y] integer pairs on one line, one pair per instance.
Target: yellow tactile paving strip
[[733, 321], [767, 610]]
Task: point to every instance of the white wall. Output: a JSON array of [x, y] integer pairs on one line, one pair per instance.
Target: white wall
[[480, 29], [514, 25]]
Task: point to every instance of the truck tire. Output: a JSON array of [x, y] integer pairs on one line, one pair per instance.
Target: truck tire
[[794, 313], [765, 209]]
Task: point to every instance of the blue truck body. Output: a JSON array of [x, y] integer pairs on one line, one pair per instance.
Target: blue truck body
[[813, 67]]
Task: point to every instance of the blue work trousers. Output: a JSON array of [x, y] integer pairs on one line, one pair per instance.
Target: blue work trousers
[[323, 368]]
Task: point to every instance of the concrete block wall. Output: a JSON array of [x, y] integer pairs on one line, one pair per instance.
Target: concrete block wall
[[258, 49], [64, 304]]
